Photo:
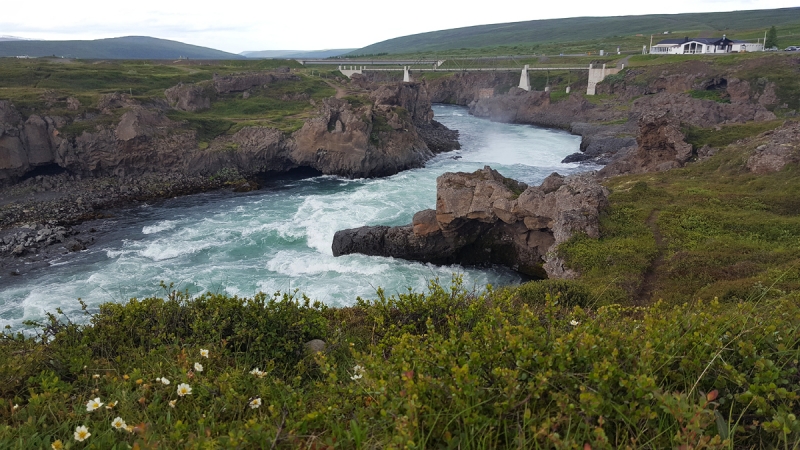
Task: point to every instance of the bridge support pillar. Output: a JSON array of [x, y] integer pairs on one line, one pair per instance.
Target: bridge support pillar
[[524, 82], [406, 75], [597, 75]]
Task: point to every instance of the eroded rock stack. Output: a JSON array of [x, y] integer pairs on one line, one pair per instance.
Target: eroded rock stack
[[486, 218], [660, 146]]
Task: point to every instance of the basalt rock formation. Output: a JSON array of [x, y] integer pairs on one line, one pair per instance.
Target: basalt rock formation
[[601, 142], [486, 218], [243, 81], [660, 146], [390, 132], [536, 108], [779, 148], [698, 112], [26, 144], [189, 97]]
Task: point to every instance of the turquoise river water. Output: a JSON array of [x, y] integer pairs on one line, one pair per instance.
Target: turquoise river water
[[279, 238]]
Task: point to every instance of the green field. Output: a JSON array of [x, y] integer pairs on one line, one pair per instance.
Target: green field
[[42, 86], [589, 34]]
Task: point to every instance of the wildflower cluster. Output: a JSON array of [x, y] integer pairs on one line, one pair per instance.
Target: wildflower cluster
[[258, 373], [358, 372]]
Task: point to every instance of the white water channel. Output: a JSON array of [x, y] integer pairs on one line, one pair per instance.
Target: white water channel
[[279, 238]]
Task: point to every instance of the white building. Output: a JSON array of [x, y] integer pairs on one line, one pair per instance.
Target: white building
[[693, 46]]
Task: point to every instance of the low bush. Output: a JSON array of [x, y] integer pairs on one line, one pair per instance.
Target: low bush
[[448, 368], [726, 134]]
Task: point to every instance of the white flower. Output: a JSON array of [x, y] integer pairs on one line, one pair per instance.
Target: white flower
[[184, 389], [81, 433], [198, 367], [358, 372], [574, 323], [164, 381], [118, 423], [16, 407], [93, 404], [204, 352], [172, 403], [255, 403], [96, 376], [111, 405], [258, 373]]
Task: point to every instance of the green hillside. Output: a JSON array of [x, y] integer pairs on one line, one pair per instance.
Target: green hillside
[[581, 29], [129, 47]]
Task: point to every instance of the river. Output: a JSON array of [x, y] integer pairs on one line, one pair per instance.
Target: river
[[279, 238]]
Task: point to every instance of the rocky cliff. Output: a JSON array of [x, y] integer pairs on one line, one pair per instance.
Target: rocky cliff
[[486, 218], [383, 135], [695, 93]]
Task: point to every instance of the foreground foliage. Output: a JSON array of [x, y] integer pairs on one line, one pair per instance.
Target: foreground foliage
[[449, 368]]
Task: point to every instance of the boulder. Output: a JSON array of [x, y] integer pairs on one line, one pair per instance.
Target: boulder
[[73, 104], [188, 97], [315, 346], [781, 147], [115, 100], [486, 218], [9, 115]]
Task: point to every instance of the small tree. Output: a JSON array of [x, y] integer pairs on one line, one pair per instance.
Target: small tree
[[772, 38]]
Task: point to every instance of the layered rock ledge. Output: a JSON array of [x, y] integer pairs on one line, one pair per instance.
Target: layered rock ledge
[[486, 218], [389, 129]]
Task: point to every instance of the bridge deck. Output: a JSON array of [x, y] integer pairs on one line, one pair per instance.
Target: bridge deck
[[476, 69]]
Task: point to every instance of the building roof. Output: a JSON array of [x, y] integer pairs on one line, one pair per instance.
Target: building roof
[[705, 41]]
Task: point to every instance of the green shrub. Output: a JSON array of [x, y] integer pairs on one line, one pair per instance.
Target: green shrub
[[718, 96], [726, 134], [568, 292], [447, 368]]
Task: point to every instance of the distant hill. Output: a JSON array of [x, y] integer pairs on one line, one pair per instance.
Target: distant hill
[[11, 38], [579, 29], [129, 47], [290, 54]]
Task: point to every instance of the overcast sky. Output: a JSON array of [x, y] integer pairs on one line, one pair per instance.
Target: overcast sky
[[307, 24]]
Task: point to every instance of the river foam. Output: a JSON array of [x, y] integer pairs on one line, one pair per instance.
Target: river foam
[[279, 238]]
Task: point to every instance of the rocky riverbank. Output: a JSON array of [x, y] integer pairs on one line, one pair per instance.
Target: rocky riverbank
[[46, 216], [57, 171]]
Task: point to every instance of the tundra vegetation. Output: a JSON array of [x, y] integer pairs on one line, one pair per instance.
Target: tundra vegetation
[[37, 84], [683, 330]]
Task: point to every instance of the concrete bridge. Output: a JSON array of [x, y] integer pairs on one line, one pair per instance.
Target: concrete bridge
[[596, 75], [372, 62]]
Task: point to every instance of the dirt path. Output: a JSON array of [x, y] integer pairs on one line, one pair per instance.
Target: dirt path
[[645, 293], [340, 91], [623, 61]]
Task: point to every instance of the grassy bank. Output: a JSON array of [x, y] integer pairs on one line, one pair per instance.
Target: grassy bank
[[42, 87], [450, 368], [709, 229]]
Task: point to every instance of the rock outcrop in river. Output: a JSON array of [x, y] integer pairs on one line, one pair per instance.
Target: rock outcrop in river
[[486, 218]]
